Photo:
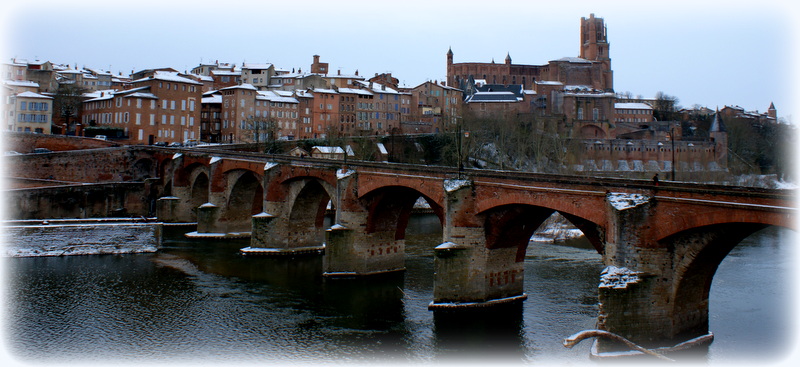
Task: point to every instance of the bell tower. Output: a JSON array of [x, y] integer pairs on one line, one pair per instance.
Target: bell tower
[[594, 41], [595, 47]]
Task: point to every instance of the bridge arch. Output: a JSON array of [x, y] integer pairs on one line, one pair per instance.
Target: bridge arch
[[697, 253], [199, 189], [513, 225], [389, 209], [308, 199], [245, 198], [142, 169]]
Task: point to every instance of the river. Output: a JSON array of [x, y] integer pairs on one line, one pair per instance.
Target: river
[[201, 302]]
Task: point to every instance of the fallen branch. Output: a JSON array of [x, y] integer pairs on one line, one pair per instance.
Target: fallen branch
[[578, 337]]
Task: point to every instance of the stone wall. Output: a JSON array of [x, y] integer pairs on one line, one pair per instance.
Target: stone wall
[[27, 142]]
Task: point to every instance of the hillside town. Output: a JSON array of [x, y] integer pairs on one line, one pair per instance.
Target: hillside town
[[570, 99]]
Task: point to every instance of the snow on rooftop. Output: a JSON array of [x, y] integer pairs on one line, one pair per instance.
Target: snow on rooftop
[[328, 150], [168, 76], [241, 86], [355, 91], [32, 95], [574, 60], [212, 99], [633, 106], [256, 66], [21, 83]]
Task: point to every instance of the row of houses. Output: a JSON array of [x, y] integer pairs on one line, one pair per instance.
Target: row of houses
[[225, 103]]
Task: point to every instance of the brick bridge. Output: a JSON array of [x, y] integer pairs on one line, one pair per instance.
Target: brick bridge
[[661, 244]]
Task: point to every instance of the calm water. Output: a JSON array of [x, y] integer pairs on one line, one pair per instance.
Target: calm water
[[201, 301]]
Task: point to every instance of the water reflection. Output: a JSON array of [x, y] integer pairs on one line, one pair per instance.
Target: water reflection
[[204, 301]]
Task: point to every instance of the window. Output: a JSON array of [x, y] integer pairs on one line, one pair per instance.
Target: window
[[183, 105], [23, 106]]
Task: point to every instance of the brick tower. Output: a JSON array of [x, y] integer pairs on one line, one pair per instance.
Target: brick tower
[[595, 47]]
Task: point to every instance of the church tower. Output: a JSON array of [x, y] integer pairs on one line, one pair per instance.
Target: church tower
[[594, 41], [595, 47], [772, 112], [450, 74], [719, 135]]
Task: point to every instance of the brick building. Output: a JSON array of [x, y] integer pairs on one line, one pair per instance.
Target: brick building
[[162, 107], [436, 105]]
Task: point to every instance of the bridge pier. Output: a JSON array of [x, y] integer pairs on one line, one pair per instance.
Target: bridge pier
[[655, 292], [167, 209], [467, 273], [351, 249]]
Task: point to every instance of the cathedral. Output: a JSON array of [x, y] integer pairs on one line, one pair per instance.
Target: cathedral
[[578, 92]]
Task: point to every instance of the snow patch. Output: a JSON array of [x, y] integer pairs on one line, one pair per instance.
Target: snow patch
[[453, 185], [269, 166], [616, 277], [342, 173], [177, 155], [337, 227], [448, 245], [622, 201], [214, 160], [208, 205], [263, 215]]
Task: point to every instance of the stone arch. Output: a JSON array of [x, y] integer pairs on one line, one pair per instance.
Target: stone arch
[[245, 198], [390, 207], [309, 198], [697, 253], [512, 225], [142, 169], [198, 193]]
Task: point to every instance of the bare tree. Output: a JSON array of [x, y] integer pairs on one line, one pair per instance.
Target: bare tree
[[68, 103]]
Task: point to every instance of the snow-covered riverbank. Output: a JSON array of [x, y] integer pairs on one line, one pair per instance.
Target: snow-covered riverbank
[[94, 237]]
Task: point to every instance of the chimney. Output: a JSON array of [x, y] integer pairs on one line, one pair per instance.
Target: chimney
[[339, 72]]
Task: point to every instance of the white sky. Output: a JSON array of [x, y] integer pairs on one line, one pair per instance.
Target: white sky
[[712, 53]]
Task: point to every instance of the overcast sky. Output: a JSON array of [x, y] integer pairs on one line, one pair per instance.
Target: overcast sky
[[711, 53]]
